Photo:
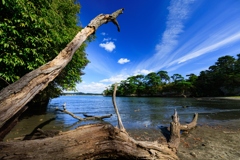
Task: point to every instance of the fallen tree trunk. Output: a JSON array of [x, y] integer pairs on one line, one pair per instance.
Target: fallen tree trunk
[[15, 96], [87, 142], [96, 141]]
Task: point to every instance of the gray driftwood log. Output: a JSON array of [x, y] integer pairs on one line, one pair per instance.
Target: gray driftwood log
[[96, 141]]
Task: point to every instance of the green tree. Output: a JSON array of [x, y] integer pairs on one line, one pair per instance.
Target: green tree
[[220, 79], [177, 78], [152, 81], [192, 79], [33, 33], [164, 76]]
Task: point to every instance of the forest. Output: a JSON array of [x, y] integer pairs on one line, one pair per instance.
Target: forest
[[221, 79]]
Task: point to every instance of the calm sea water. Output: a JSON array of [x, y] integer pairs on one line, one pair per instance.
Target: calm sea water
[[136, 112]]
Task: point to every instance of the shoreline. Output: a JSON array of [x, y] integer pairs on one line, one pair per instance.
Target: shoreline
[[218, 98], [211, 142]]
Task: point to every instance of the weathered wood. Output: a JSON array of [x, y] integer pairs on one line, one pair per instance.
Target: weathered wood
[[8, 126], [120, 124], [96, 141], [174, 132], [15, 96], [87, 142], [191, 125], [64, 110]]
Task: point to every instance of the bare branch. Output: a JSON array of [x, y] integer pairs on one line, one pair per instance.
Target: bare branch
[[120, 124], [191, 124], [79, 118], [17, 95]]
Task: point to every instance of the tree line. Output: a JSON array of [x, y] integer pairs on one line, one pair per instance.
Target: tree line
[[221, 79]]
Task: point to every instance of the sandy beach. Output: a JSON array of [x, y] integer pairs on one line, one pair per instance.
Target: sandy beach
[[218, 142]]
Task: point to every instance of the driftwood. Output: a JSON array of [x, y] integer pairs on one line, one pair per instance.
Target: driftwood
[[120, 124], [87, 142], [88, 117], [95, 141], [15, 96]]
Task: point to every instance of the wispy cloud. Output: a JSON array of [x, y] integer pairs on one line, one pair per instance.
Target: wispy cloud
[[178, 12], [104, 33], [116, 79], [143, 71], [209, 48], [108, 46], [94, 87], [107, 39], [99, 63], [123, 60]]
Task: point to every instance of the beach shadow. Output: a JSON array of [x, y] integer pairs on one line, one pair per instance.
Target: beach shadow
[[165, 132], [35, 130]]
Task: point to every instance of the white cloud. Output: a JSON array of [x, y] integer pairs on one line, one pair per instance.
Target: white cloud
[[115, 79], [178, 12], [143, 71], [93, 87], [103, 33], [106, 39], [123, 60], [108, 46]]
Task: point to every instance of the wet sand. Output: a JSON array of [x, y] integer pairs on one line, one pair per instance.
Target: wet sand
[[218, 142]]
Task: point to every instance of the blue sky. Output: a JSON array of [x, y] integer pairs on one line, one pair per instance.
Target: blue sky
[[177, 36]]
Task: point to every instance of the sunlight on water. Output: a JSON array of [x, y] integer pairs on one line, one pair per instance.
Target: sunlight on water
[[135, 112], [144, 112]]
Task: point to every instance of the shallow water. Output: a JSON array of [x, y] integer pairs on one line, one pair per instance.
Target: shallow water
[[136, 112]]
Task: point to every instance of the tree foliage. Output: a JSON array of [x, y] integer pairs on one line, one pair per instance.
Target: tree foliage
[[33, 32], [221, 79]]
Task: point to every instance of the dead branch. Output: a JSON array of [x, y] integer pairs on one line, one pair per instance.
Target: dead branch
[[191, 124], [120, 124], [17, 95], [64, 110], [96, 141]]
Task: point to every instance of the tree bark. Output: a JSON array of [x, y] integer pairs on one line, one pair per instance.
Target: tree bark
[[96, 141], [15, 96], [87, 142], [87, 117]]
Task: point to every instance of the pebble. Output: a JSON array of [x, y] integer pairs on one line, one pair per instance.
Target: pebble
[[193, 154]]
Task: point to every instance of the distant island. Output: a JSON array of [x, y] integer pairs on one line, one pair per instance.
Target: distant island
[[79, 93]]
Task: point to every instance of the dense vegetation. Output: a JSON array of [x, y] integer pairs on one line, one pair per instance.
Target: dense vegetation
[[221, 79], [33, 32]]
